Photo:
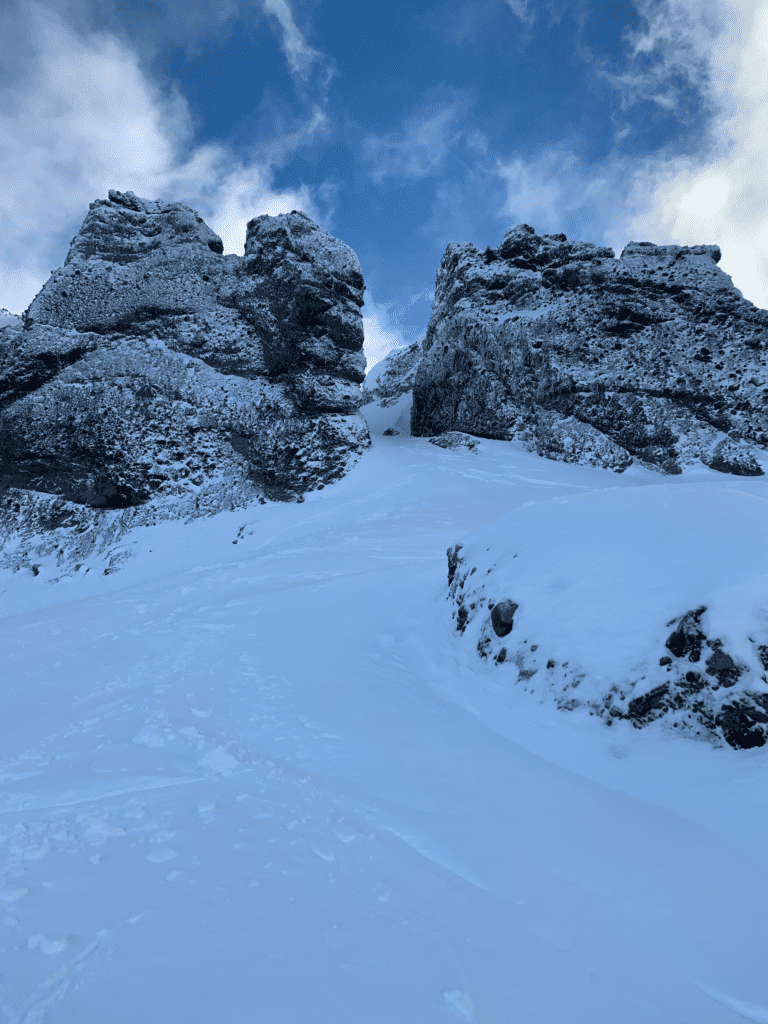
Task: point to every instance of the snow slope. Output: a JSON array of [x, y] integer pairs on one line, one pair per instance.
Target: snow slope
[[256, 775], [601, 585]]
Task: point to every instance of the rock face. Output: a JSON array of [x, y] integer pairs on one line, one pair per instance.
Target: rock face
[[654, 357], [616, 603], [151, 366]]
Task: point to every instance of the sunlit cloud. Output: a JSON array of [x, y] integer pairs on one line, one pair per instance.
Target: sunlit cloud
[[679, 47], [298, 52], [87, 119], [720, 195], [381, 335], [717, 195], [303, 60]]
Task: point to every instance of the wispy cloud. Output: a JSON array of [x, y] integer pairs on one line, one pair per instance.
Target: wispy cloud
[[88, 118], [302, 58], [384, 327], [715, 195], [421, 146], [381, 334], [720, 195], [520, 8], [677, 53]]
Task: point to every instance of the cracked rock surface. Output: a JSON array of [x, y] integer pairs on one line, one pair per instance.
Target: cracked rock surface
[[654, 358], [151, 367]]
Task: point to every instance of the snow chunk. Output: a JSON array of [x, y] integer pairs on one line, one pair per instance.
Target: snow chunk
[[219, 761]]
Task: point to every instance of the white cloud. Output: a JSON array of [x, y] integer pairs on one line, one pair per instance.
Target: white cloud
[[422, 145], [723, 198], [228, 193], [300, 55], [718, 195], [679, 47], [520, 8], [87, 119], [381, 335]]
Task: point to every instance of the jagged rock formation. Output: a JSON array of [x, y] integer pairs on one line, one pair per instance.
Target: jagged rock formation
[[152, 366], [654, 357], [591, 602]]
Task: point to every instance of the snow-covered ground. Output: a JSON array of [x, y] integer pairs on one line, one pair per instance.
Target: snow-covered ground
[[257, 776]]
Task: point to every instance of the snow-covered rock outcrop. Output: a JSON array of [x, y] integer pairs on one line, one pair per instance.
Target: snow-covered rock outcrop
[[654, 357], [618, 602], [9, 320], [152, 366], [388, 391]]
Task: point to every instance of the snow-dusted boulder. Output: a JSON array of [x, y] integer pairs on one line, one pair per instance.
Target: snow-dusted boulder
[[152, 366], [617, 602], [388, 391], [654, 357]]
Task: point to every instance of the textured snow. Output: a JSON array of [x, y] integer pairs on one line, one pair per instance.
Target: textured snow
[[597, 575], [600, 581], [336, 812]]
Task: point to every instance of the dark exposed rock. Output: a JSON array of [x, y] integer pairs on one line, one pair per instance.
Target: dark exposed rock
[[723, 667], [151, 366], [654, 357], [745, 723], [687, 638], [729, 457], [641, 707], [454, 559], [503, 617]]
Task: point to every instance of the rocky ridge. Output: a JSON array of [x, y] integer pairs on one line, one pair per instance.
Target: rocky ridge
[[154, 371], [653, 358]]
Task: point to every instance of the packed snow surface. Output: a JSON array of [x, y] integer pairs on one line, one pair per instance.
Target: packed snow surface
[[600, 576], [256, 775]]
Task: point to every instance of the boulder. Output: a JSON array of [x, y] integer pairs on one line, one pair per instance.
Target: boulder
[[151, 366], [453, 440], [653, 358]]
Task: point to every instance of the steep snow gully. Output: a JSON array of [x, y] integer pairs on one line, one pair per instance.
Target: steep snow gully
[[288, 762]]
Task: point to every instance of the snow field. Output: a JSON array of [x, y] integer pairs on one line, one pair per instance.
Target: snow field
[[268, 782]]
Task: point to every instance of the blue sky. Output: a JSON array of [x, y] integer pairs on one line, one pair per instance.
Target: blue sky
[[398, 127]]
